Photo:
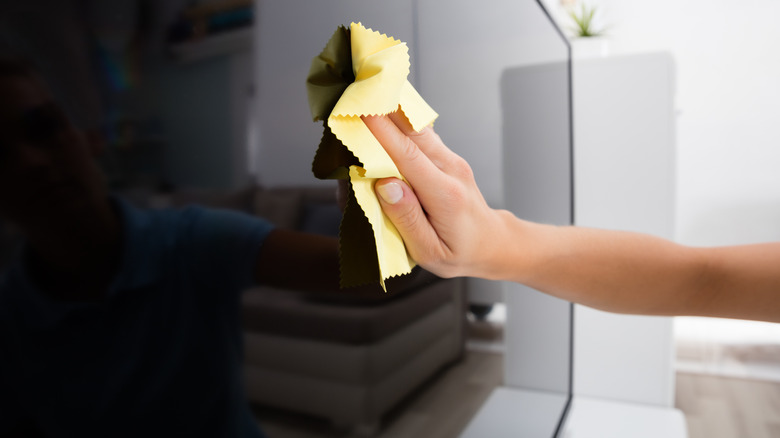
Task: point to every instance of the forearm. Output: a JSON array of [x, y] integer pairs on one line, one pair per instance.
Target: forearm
[[637, 273], [609, 270], [742, 282], [450, 230]]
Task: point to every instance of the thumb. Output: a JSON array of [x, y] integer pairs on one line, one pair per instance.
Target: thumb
[[402, 207]]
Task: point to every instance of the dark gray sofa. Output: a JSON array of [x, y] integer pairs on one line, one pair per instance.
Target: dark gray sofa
[[349, 360]]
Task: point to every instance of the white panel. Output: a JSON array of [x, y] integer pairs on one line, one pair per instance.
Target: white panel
[[624, 143], [537, 354], [463, 51], [623, 357], [484, 291], [624, 179], [537, 175], [507, 412], [289, 34], [591, 418]]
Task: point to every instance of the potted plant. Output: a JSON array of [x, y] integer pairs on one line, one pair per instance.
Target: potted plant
[[588, 39]]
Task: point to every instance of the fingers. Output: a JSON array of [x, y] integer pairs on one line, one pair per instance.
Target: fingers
[[427, 140], [410, 154], [403, 208], [402, 150]]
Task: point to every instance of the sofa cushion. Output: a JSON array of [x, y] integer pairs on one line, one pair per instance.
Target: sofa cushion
[[349, 363], [240, 200], [298, 207], [282, 208], [283, 312], [321, 218]]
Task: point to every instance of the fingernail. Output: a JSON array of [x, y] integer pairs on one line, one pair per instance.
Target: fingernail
[[390, 192]]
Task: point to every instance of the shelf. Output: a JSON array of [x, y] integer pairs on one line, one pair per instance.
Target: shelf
[[214, 45]]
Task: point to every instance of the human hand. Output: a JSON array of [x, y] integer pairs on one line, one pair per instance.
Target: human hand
[[443, 218]]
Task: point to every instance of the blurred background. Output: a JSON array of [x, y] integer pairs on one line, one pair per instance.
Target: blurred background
[[177, 88]]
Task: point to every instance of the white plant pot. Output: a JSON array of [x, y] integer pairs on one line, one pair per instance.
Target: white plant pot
[[589, 47]]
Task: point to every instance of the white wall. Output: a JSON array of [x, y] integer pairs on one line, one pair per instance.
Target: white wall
[[728, 101]]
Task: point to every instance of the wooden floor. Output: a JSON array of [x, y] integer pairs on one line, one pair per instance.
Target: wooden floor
[[716, 406], [732, 348]]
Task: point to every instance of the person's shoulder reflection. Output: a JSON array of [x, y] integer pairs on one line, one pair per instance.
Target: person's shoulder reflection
[[113, 321]]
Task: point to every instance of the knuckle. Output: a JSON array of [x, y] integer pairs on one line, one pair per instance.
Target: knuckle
[[441, 267], [462, 169], [434, 261], [407, 218], [454, 194], [426, 132], [410, 150], [425, 136], [433, 135]]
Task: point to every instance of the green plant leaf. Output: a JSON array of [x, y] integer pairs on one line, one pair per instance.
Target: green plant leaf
[[584, 21]]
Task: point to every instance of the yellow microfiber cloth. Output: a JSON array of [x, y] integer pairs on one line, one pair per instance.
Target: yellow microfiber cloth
[[362, 72]]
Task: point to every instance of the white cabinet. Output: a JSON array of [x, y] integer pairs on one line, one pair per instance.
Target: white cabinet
[[624, 179], [621, 177]]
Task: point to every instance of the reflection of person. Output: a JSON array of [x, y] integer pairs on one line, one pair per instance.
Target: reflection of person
[[116, 321], [449, 229]]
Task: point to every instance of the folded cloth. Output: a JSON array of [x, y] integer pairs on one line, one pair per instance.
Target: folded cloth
[[362, 72]]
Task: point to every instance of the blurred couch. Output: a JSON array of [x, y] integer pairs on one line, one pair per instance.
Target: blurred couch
[[349, 360]]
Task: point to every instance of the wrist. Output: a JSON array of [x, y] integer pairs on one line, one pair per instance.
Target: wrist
[[510, 248]]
